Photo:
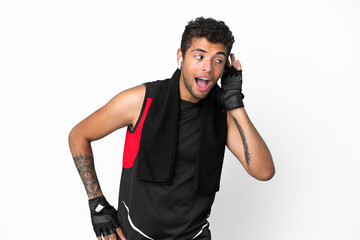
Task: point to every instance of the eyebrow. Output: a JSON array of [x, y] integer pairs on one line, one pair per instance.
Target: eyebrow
[[202, 50]]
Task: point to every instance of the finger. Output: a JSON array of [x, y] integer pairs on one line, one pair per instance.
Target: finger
[[116, 225], [238, 65], [227, 63], [98, 233], [105, 233], [113, 236], [110, 231], [233, 61], [120, 233]]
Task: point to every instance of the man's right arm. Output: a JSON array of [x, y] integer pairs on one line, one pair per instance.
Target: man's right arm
[[123, 110]]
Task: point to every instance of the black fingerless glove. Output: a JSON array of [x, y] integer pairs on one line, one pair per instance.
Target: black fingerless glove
[[103, 216], [230, 94]]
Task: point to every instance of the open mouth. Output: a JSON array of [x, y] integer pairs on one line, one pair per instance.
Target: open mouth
[[202, 83]]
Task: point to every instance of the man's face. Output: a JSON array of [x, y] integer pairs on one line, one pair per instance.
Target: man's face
[[201, 68]]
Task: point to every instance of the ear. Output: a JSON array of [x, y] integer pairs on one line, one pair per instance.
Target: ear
[[179, 58]]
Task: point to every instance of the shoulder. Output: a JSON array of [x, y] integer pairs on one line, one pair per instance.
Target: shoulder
[[133, 95], [130, 97]]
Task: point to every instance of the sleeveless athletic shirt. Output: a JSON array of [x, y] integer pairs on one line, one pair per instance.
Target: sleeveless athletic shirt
[[149, 210]]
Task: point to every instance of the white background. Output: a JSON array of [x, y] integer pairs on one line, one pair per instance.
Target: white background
[[62, 60]]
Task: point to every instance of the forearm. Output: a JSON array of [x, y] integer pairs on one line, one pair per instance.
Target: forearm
[[257, 156], [84, 161]]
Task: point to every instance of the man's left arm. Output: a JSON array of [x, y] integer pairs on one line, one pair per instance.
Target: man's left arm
[[243, 140]]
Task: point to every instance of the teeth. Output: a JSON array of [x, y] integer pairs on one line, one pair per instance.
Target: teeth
[[205, 79]]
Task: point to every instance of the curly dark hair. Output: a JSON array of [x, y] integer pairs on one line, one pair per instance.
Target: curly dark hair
[[214, 31]]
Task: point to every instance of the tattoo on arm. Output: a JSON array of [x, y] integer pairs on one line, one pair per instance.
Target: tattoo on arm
[[246, 148], [85, 166]]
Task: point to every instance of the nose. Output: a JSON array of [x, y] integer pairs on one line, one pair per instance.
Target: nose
[[206, 66]]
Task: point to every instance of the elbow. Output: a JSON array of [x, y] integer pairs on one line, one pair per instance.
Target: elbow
[[267, 170], [74, 138], [77, 141], [267, 175]]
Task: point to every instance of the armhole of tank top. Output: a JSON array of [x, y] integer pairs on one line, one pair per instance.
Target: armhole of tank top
[[141, 112]]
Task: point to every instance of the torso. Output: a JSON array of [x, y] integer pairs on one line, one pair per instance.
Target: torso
[[154, 211]]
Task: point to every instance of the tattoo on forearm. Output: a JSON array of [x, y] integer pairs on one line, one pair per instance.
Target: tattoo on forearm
[[246, 148], [85, 166]]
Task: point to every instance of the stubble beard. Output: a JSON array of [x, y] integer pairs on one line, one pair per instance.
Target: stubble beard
[[189, 88]]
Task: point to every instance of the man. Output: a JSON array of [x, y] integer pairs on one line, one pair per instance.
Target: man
[[175, 142]]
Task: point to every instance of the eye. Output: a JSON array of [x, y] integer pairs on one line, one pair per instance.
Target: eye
[[199, 57], [219, 60]]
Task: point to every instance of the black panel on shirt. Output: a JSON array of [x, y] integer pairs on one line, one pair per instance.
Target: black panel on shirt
[[168, 212]]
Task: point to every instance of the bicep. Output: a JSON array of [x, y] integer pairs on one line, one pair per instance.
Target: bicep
[[122, 110]]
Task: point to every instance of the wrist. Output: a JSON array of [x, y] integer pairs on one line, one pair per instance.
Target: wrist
[[92, 196], [97, 204], [237, 111], [234, 101]]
